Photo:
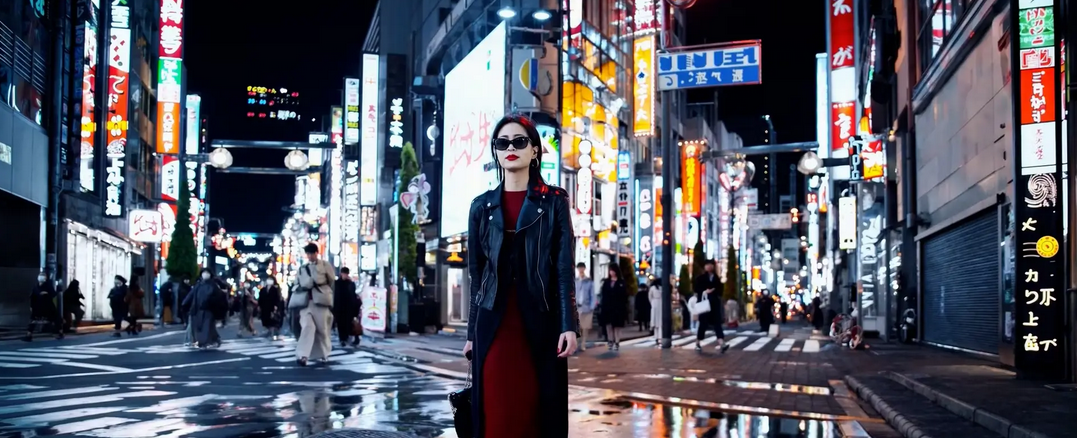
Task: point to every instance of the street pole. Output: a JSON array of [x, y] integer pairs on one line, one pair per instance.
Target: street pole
[[56, 94], [667, 221], [1070, 22], [101, 100]]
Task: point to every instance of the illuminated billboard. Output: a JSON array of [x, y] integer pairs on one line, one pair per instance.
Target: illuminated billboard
[[272, 103], [351, 111], [194, 128], [474, 102], [116, 135], [368, 168], [87, 173], [169, 77]]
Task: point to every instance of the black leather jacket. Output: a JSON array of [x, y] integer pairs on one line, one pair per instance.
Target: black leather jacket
[[549, 246]]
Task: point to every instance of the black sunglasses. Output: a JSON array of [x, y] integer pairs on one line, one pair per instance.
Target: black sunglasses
[[502, 144]]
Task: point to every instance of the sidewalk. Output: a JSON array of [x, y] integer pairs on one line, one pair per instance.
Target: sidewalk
[[955, 400], [16, 333]]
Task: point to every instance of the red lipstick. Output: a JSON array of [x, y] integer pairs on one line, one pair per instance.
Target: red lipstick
[[512, 157]]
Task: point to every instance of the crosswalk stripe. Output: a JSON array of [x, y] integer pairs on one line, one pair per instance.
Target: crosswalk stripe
[[18, 365], [5, 356], [785, 345], [811, 346], [57, 393], [55, 417], [81, 401], [278, 355], [683, 340], [52, 355], [736, 341], [179, 403], [89, 425], [79, 348], [758, 344]]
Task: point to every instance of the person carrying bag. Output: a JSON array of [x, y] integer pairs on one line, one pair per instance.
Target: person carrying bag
[[315, 317]]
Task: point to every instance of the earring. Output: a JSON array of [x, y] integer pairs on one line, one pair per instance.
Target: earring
[[534, 163]]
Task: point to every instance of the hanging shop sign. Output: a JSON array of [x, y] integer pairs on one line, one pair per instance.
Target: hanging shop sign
[[1041, 318], [145, 226], [645, 209], [116, 136], [351, 110], [842, 72], [351, 201], [725, 66], [646, 15], [847, 223], [584, 180], [396, 123], [368, 223], [691, 188], [624, 209], [643, 88], [417, 198], [193, 143], [550, 167], [88, 145], [375, 308], [169, 76], [368, 166]]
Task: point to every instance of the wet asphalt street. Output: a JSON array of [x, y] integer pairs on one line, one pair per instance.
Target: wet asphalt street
[[153, 386]]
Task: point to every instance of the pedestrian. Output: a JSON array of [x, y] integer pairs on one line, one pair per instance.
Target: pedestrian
[[643, 311], [43, 309], [116, 302], [585, 303], [247, 307], [732, 313], [133, 300], [783, 310], [345, 308], [523, 306], [654, 294], [765, 311], [615, 304], [270, 305], [708, 287], [315, 318], [817, 320], [181, 291], [72, 297], [205, 303], [166, 298]]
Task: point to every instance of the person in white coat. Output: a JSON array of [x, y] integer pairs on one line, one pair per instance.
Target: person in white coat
[[316, 280], [654, 293]]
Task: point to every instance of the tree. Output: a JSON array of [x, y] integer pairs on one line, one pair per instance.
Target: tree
[[699, 258], [684, 284], [182, 255], [629, 273], [731, 289], [406, 251]]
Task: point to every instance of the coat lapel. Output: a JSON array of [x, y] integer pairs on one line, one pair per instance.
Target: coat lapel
[[533, 205]]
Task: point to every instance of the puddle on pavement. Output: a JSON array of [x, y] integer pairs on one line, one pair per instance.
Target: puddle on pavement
[[414, 403], [780, 387]]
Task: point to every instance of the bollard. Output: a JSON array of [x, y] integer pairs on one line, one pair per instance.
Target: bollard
[[362, 433]]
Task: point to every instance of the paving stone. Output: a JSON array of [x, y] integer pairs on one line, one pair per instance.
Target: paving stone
[[911, 414]]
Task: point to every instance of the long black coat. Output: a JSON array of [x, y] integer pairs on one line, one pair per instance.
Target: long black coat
[[614, 302], [706, 281], [41, 305]]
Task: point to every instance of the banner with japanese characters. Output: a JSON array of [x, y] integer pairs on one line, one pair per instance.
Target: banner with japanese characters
[[1040, 316]]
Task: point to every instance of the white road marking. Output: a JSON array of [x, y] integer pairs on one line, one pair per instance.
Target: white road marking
[[5, 356], [18, 365], [736, 341], [89, 425], [58, 392], [55, 417], [179, 403], [684, 340], [811, 346], [81, 401], [52, 355], [785, 345], [132, 339], [758, 344], [93, 366]]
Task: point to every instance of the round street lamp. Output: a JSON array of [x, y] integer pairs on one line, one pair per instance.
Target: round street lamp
[[809, 163], [296, 160], [220, 158]]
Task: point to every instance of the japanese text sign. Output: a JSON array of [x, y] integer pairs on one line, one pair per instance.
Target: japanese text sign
[[171, 24], [737, 65], [146, 226], [645, 214], [690, 184], [643, 89], [1039, 315], [351, 111]]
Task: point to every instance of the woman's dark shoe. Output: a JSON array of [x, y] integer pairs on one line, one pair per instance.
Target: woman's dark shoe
[[699, 348], [616, 346], [301, 362], [724, 347]]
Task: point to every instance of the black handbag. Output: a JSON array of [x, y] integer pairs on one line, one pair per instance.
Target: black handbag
[[461, 407]]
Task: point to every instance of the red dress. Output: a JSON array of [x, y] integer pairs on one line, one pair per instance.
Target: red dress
[[510, 393]]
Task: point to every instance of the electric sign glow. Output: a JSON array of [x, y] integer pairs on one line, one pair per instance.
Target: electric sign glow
[[396, 124], [351, 111], [169, 72], [368, 167], [116, 136]]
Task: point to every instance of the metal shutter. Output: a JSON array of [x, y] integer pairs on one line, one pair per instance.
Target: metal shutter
[[961, 285]]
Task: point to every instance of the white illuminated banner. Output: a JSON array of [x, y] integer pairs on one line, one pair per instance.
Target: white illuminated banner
[[847, 223], [351, 201], [170, 177], [351, 110], [474, 102], [194, 128], [369, 108], [146, 226]]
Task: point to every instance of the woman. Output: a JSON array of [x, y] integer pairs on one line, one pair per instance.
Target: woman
[[765, 311], [270, 303], [247, 306], [643, 311], [116, 302], [73, 306], [42, 308], [315, 280], [614, 306], [654, 293], [133, 299], [204, 301], [523, 303]]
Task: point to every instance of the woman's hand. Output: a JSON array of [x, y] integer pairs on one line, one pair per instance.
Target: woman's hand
[[467, 350], [566, 345]]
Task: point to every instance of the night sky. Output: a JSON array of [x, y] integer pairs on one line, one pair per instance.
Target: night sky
[[310, 50], [233, 44]]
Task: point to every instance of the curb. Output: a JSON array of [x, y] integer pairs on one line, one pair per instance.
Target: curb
[[980, 417], [892, 416]]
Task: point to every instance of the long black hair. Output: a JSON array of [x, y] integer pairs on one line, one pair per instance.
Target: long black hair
[[533, 169]]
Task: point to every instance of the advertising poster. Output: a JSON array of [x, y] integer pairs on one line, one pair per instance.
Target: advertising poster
[[375, 309], [474, 102]]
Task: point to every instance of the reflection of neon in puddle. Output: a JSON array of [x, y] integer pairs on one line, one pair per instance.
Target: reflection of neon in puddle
[[780, 387]]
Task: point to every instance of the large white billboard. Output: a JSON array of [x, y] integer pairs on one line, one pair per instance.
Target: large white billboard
[[369, 108], [474, 103]]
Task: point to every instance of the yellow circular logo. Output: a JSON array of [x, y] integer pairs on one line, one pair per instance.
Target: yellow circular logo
[[1047, 247]]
